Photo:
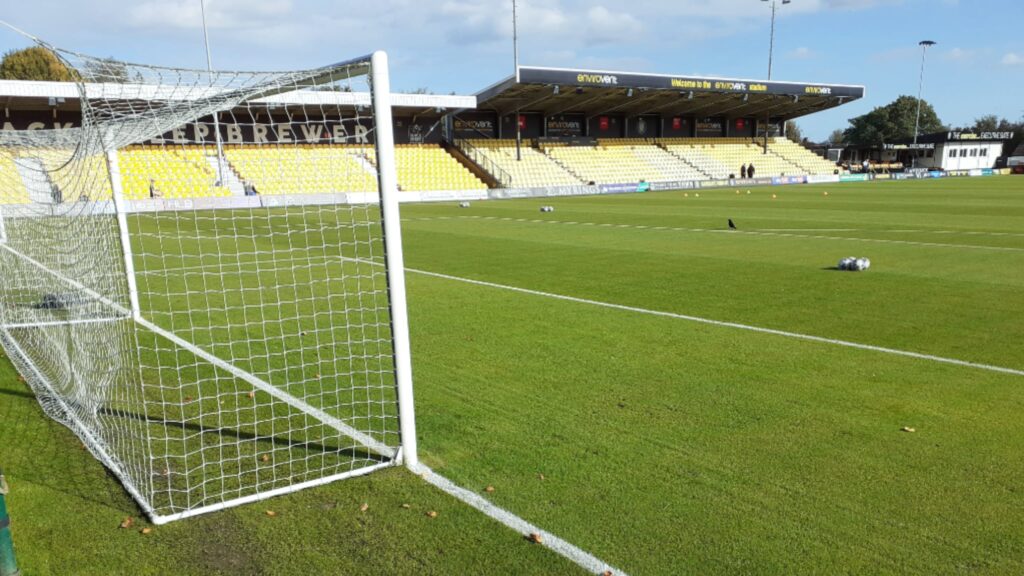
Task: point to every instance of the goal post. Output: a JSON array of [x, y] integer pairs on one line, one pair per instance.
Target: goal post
[[395, 259], [205, 280]]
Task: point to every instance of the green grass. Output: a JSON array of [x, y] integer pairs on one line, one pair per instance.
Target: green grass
[[666, 446]]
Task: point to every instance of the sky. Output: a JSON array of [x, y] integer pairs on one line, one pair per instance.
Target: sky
[[463, 46]]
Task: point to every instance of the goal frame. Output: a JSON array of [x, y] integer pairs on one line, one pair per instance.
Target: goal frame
[[406, 453]]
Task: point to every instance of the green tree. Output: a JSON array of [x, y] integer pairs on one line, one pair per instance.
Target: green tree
[[894, 121], [107, 70], [35, 63], [837, 138], [793, 132], [987, 123]]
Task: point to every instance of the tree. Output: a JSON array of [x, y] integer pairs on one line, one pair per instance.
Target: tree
[[988, 123], [35, 63], [793, 131], [895, 121], [837, 138], [107, 70]]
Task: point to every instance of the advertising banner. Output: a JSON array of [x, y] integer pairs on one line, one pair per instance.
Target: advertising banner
[[743, 127], [853, 177], [624, 188], [714, 183], [882, 177], [675, 185], [508, 193], [710, 128], [529, 125], [823, 179], [643, 126], [606, 126], [564, 125], [476, 125], [678, 127], [528, 75], [785, 180]]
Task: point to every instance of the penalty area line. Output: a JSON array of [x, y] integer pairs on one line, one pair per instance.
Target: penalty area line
[[569, 551], [736, 325]]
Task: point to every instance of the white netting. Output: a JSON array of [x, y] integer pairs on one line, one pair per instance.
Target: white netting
[[257, 355]]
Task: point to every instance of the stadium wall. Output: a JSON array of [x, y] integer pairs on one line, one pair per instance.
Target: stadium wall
[[255, 127], [12, 211]]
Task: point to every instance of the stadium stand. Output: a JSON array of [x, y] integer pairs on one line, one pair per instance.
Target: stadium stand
[[425, 167], [619, 160], [535, 169], [721, 158], [808, 162], [88, 179], [304, 169], [622, 160], [175, 173], [187, 172], [12, 189]]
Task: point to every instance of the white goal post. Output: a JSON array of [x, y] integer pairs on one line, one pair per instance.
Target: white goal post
[[205, 281]]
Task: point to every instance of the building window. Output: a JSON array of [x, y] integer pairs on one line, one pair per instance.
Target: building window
[[952, 152], [984, 152], [963, 152], [974, 152]]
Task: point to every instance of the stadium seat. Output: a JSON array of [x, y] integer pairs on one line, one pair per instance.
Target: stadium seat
[[624, 160], [807, 161], [427, 167], [535, 169], [305, 169], [12, 188], [182, 172], [86, 178]]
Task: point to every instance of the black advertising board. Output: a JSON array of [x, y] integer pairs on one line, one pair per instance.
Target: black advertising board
[[475, 124], [566, 77], [564, 125]]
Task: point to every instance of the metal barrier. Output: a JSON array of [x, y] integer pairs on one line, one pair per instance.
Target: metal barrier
[[482, 160]]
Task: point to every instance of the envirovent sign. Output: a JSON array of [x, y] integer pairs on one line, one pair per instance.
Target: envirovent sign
[[569, 77]]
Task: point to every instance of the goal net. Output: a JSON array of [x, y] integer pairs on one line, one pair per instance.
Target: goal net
[[204, 279]]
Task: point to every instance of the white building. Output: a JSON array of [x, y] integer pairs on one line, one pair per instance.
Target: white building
[[949, 150]]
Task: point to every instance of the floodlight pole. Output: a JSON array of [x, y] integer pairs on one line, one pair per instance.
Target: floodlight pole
[[515, 57], [216, 122], [771, 55], [924, 44]]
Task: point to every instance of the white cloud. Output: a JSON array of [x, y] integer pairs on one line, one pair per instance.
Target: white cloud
[[220, 14], [803, 53], [1012, 59], [959, 55], [605, 26]]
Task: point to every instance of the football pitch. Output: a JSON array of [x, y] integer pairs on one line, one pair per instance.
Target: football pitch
[[667, 394]]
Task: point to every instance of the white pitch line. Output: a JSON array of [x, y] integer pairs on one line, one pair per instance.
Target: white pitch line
[[582, 558], [811, 230], [749, 233], [723, 324]]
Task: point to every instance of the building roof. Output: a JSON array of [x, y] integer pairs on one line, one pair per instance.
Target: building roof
[[555, 91], [34, 95]]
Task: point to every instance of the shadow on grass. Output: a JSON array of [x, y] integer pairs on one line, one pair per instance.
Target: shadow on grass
[[236, 435], [40, 450]]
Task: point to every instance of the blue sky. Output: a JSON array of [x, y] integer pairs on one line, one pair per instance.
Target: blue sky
[[464, 45]]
